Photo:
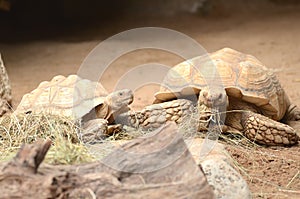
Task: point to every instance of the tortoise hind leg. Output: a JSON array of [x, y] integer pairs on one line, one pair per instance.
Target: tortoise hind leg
[[264, 130]]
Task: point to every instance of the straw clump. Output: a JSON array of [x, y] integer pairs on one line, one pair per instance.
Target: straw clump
[[67, 148]]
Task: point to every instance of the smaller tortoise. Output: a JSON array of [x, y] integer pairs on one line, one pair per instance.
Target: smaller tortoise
[[79, 99], [238, 85], [5, 90]]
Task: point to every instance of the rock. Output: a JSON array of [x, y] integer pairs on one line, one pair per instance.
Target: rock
[[159, 166], [5, 90], [227, 182], [218, 168]]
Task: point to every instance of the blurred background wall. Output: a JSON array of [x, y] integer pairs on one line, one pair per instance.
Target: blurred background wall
[[24, 12]]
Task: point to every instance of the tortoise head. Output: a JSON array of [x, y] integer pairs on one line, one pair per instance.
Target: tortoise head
[[117, 102], [213, 98]]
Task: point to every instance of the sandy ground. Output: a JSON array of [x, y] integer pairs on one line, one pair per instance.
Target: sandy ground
[[272, 36]]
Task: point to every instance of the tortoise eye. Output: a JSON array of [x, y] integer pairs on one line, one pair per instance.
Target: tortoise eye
[[120, 94]]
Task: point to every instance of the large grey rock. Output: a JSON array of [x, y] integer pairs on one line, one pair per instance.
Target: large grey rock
[[218, 168], [227, 182]]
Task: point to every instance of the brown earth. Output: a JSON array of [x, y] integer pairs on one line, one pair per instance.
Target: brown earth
[[272, 35]]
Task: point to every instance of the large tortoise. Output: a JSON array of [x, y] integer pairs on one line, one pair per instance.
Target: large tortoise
[[234, 83], [78, 99]]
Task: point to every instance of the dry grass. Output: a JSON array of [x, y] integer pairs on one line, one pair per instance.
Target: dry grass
[[27, 128], [66, 147]]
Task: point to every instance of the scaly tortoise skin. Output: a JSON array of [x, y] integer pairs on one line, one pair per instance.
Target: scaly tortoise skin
[[5, 90], [156, 115], [237, 82], [75, 97]]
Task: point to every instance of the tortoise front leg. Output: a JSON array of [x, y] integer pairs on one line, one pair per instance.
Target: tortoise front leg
[[94, 130], [264, 130], [156, 115], [98, 129]]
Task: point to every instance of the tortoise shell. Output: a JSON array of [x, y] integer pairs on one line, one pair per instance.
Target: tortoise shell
[[241, 75], [69, 96]]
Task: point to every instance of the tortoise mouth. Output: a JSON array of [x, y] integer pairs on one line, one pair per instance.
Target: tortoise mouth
[[129, 100]]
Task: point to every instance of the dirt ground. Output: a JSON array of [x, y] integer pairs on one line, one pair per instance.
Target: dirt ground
[[272, 35]]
